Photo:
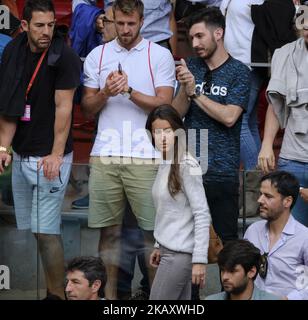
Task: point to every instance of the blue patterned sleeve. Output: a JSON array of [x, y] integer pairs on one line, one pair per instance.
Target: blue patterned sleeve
[[239, 92]]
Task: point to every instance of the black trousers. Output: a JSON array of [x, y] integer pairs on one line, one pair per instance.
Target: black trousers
[[223, 201]]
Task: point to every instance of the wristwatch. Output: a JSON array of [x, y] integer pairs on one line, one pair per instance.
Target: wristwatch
[[6, 150], [127, 94], [196, 94]]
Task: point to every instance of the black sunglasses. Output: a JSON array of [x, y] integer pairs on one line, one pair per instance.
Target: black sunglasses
[[263, 265], [207, 80]]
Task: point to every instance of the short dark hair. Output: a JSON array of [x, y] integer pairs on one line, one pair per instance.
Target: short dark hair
[[285, 182], [93, 269], [128, 6], [212, 17], [37, 5], [240, 252]]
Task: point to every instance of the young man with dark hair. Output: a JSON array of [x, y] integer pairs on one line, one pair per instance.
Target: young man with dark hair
[[239, 264], [39, 74], [85, 279], [282, 240], [213, 94]]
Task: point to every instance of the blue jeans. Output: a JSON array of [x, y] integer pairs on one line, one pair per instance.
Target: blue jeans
[[250, 138], [300, 170], [132, 248]]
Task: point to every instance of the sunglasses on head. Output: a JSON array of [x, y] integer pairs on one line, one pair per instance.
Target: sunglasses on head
[[207, 80], [263, 265]]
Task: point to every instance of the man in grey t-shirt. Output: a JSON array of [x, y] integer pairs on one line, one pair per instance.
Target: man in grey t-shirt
[[288, 95]]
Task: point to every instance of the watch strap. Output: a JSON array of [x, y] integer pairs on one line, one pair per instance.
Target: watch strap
[[193, 96], [7, 150]]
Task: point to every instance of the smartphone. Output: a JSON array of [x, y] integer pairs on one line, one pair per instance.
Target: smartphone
[[177, 63], [120, 70]]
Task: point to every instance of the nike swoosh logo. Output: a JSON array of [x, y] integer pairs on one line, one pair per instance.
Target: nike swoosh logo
[[54, 189]]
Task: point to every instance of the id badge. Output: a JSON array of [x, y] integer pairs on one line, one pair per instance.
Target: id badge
[[27, 114]]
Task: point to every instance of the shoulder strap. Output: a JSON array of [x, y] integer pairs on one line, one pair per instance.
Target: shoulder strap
[[101, 60], [38, 66], [150, 67]]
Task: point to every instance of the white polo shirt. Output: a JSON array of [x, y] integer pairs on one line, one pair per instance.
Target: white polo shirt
[[121, 126]]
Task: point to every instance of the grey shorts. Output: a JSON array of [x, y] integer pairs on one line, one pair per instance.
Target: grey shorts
[[38, 201]]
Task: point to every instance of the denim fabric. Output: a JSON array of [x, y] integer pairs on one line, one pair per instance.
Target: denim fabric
[[250, 137], [132, 248], [38, 201], [300, 170], [156, 26]]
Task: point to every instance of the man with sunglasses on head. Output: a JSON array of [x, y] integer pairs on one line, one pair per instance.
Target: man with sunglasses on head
[[239, 264], [282, 240], [213, 94]]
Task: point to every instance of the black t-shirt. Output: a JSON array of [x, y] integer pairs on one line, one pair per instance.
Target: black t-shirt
[[36, 137]]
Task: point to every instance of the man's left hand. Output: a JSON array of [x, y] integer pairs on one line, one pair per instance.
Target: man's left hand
[[51, 166]]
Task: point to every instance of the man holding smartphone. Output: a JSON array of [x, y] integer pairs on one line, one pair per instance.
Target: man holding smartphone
[[213, 95], [121, 158]]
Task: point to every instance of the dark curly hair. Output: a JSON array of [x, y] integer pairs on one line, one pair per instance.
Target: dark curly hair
[[239, 252]]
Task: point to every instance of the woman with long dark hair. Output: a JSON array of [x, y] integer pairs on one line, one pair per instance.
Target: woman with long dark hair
[[182, 215]]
